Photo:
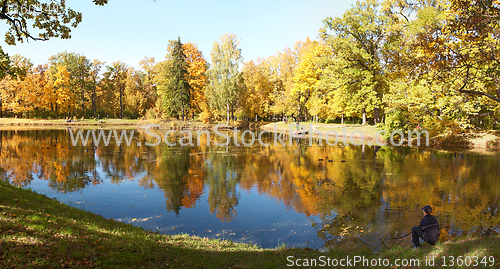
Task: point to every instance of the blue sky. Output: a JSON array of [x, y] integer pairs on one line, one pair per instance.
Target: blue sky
[[129, 30]]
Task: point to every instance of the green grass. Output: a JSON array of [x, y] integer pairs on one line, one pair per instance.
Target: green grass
[[36, 231], [106, 123], [369, 131], [39, 232], [47, 122]]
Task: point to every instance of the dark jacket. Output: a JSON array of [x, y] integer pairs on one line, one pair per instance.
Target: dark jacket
[[430, 227]]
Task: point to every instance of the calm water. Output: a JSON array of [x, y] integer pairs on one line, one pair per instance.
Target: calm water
[[303, 196]]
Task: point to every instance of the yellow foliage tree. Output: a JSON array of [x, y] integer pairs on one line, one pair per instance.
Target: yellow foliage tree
[[256, 97], [197, 67], [64, 100]]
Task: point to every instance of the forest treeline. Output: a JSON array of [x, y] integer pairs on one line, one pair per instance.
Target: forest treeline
[[396, 63]]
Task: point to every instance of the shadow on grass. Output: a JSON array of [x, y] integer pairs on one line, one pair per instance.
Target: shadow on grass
[[252, 125], [483, 252], [38, 232]]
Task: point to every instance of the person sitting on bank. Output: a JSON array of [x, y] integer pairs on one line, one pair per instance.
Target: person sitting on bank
[[428, 229]]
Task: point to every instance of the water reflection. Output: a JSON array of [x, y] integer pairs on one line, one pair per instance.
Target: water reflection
[[350, 196]]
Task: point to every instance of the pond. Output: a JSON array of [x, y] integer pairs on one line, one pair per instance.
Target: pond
[[300, 195]]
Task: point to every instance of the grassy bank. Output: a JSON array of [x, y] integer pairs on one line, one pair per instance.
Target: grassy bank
[[473, 139], [108, 123], [352, 130], [38, 232], [63, 122]]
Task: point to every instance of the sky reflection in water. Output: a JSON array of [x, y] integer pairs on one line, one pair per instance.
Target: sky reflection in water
[[302, 196]]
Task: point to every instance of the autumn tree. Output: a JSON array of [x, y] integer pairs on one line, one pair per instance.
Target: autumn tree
[[52, 19], [280, 70], [462, 52], [150, 79], [5, 65], [93, 83], [222, 91], [307, 78], [64, 98], [136, 93], [196, 76], [424, 73], [258, 88], [19, 92], [115, 82], [358, 41], [79, 68]]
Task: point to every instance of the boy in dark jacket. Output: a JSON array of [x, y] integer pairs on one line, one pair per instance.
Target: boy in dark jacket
[[428, 229]]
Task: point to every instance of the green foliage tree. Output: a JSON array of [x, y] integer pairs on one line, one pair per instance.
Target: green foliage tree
[[175, 89], [136, 93], [150, 70], [115, 79], [79, 67], [280, 70], [93, 83], [358, 43], [222, 91], [52, 19]]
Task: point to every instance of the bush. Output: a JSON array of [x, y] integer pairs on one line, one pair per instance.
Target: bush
[[395, 120], [205, 117]]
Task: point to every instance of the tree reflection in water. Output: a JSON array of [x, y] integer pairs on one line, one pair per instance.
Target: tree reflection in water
[[376, 192]]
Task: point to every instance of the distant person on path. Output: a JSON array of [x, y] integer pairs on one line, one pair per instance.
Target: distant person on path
[[428, 229]]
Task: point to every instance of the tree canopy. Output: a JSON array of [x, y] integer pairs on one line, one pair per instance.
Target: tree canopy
[[397, 64]]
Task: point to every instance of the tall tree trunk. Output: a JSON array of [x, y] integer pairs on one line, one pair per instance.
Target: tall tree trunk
[[376, 115], [364, 116], [227, 105], [83, 105], [182, 111], [121, 105], [83, 98], [342, 119], [93, 102]]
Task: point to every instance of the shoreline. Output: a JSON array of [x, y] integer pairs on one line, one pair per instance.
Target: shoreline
[[37, 231], [486, 140], [474, 141]]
